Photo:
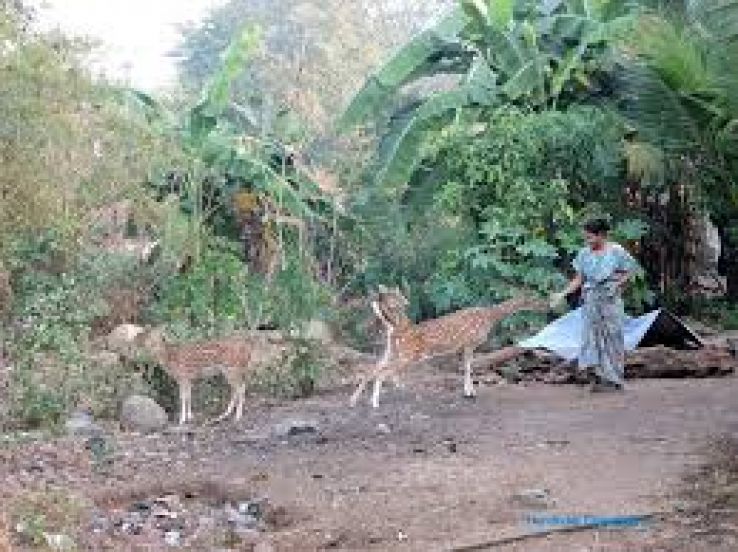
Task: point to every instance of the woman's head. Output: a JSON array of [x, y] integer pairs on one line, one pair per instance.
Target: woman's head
[[595, 231]]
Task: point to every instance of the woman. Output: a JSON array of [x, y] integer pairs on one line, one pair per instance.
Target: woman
[[602, 270]]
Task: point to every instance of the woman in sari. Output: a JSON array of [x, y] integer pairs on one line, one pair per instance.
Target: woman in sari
[[602, 271]]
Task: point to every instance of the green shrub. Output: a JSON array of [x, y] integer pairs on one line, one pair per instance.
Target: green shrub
[[296, 377]]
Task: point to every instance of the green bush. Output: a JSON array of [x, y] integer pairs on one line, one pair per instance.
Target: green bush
[[298, 376], [218, 295], [58, 300]]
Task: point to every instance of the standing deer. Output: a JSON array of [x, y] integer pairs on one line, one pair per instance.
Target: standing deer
[[408, 343], [235, 357]]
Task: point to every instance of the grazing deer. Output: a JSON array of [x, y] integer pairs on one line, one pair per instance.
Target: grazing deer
[[235, 357], [408, 343]]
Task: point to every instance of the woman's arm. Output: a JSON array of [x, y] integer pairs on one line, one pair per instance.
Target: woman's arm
[[573, 286], [627, 265]]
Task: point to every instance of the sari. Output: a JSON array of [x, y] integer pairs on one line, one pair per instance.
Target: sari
[[602, 341]]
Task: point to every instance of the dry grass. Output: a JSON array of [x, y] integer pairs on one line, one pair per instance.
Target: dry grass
[[707, 505], [711, 492], [203, 488], [36, 514]]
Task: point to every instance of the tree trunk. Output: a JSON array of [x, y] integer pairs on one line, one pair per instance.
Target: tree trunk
[[728, 264]]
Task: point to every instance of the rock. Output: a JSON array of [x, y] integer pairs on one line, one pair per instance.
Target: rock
[[121, 339], [318, 330], [59, 542], [292, 428], [241, 518], [81, 424], [533, 498], [173, 538], [142, 414], [163, 513], [383, 429]]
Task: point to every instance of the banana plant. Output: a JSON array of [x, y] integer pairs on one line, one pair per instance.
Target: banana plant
[[226, 157], [520, 52]]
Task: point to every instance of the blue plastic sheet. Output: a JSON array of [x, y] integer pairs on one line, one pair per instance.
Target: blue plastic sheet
[[563, 336]]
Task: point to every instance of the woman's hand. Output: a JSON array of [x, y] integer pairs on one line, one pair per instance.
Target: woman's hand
[[621, 281], [557, 299]]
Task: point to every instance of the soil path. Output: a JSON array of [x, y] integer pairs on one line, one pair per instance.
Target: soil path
[[431, 471]]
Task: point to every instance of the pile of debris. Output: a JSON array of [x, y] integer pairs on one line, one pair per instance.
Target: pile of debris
[[515, 364]]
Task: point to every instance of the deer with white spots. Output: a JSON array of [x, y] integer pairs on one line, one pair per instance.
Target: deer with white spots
[[236, 357], [408, 343]]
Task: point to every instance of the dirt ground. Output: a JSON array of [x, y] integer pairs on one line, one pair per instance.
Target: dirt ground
[[427, 471]]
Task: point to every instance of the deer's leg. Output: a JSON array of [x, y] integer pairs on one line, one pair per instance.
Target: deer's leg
[[371, 372], [183, 387], [189, 403], [377, 389], [231, 404], [387, 348], [468, 383], [240, 398], [360, 389], [382, 373]]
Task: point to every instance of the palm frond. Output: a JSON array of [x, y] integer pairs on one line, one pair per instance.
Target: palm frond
[[434, 47]]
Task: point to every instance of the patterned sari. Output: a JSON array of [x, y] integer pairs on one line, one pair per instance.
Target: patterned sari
[[603, 344]]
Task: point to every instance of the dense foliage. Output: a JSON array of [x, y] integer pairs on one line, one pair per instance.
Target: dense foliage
[[573, 94]]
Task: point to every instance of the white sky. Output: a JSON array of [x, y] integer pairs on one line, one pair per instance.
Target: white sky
[[136, 35]]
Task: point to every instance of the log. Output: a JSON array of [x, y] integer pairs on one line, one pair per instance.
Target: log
[[497, 358]]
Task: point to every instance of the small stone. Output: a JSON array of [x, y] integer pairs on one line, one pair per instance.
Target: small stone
[[293, 428], [122, 337], [81, 424], [241, 520], [142, 414], [59, 542], [168, 501], [383, 429], [163, 513], [318, 330], [99, 524], [534, 498], [141, 506], [451, 445], [243, 507], [173, 538]]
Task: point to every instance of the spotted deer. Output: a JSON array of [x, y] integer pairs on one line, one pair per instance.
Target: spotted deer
[[408, 343], [235, 357]]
